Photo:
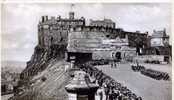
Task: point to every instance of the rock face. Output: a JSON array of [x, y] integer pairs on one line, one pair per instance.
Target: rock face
[[41, 58], [51, 48], [52, 43], [48, 84]]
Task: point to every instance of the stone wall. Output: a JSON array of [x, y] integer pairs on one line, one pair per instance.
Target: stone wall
[[125, 55], [134, 38], [149, 58], [104, 22], [55, 31]]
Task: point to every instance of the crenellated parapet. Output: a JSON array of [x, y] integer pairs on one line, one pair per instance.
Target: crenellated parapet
[[45, 20], [105, 23], [95, 29], [54, 30]]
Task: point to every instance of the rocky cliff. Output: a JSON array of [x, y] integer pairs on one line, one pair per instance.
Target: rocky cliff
[[47, 84], [43, 73], [40, 59]]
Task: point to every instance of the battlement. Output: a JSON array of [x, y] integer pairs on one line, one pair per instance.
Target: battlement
[[57, 20], [159, 34], [95, 29], [105, 22], [104, 29], [55, 30]]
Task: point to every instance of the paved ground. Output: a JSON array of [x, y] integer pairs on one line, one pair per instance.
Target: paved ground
[[146, 87]]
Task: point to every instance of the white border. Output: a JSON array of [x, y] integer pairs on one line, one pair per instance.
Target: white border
[[86, 1], [97, 1]]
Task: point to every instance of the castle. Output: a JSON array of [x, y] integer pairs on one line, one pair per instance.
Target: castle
[[54, 31], [65, 38]]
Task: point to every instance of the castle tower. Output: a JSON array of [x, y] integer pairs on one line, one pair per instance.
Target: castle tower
[[159, 38], [71, 13]]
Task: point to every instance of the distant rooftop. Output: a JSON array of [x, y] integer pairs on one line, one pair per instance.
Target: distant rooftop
[[104, 20], [159, 33]]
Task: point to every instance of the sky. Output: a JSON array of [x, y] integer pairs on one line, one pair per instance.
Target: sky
[[19, 21]]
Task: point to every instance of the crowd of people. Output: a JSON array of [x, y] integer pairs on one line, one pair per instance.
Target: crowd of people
[[153, 61], [113, 90], [100, 62], [156, 74], [137, 68], [150, 72]]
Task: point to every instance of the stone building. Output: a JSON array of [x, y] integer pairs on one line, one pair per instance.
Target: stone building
[[54, 41], [9, 81], [53, 33], [136, 39], [105, 23], [159, 38], [159, 45], [93, 43], [55, 30]]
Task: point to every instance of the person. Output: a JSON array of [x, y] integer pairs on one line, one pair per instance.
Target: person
[[116, 94], [111, 64], [66, 68], [120, 97], [115, 64], [106, 89], [111, 94], [100, 93], [137, 62], [138, 98]]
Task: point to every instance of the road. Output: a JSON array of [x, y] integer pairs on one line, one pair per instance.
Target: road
[[146, 87]]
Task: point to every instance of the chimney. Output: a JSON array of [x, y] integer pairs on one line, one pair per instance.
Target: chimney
[[43, 18], [46, 18], [52, 17], [58, 17], [154, 31], [147, 32], [137, 31], [164, 30], [71, 15]]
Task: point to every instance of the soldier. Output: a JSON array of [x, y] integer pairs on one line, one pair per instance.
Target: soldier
[[110, 94], [115, 64], [138, 98], [120, 97], [111, 63], [100, 93], [116, 94], [106, 90], [137, 62]]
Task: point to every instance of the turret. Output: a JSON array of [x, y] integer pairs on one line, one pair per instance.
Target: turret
[[71, 15], [44, 18]]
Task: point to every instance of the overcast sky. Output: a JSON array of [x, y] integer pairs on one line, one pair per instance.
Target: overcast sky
[[19, 21]]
